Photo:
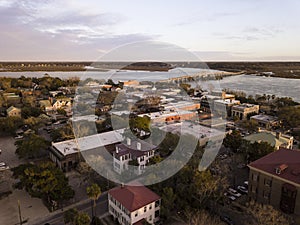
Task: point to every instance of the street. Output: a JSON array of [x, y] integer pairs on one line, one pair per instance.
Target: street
[[57, 217]]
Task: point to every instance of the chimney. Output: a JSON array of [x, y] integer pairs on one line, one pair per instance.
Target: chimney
[[278, 134], [128, 141], [117, 149], [139, 146]]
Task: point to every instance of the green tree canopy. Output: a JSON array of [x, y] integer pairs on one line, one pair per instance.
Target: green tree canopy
[[45, 181], [233, 140], [82, 219], [31, 147]]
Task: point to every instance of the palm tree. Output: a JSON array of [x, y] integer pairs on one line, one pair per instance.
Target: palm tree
[[82, 219], [93, 193]]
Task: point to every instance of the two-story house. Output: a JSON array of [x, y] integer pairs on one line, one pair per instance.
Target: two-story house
[[136, 153], [134, 205], [13, 112]]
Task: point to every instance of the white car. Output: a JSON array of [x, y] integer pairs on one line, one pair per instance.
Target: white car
[[229, 196], [4, 168], [2, 164], [234, 192], [18, 137], [242, 189]]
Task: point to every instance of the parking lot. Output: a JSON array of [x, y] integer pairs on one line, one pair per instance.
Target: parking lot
[[8, 156]]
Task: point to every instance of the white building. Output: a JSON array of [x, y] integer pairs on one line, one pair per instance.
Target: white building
[[138, 152], [134, 205], [66, 154], [62, 103]]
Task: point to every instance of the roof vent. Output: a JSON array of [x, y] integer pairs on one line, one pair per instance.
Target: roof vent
[[281, 168], [295, 172]]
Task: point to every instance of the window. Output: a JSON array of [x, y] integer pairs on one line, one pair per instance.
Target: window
[[136, 214], [253, 189], [254, 177], [266, 194], [145, 209], [150, 206], [267, 182], [156, 213], [157, 203], [117, 165], [150, 217]]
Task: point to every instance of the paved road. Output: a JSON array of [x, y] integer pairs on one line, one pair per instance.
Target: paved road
[[56, 218]]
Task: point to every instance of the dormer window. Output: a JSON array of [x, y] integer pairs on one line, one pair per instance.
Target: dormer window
[[280, 169]]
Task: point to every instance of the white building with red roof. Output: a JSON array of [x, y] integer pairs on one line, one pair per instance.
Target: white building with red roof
[[134, 205]]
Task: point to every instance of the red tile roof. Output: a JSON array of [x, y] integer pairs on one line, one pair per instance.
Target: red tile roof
[[133, 197], [286, 159]]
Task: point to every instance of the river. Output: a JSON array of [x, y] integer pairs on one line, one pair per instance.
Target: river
[[250, 84]]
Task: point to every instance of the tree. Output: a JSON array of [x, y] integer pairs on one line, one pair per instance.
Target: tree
[[168, 200], [290, 116], [206, 186], [29, 111], [200, 217], [62, 133], [256, 150], [250, 125], [82, 219], [45, 181], [93, 193], [70, 216], [140, 123], [266, 215], [31, 147], [9, 125], [233, 140]]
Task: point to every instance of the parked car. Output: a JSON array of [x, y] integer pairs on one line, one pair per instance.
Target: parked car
[[242, 189], [19, 137], [4, 168], [241, 165], [227, 220], [2, 164], [246, 184], [234, 192], [229, 196], [223, 156]]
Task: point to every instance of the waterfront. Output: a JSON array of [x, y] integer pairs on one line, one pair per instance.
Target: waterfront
[[250, 84]]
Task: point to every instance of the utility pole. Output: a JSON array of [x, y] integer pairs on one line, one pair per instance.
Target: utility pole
[[20, 216]]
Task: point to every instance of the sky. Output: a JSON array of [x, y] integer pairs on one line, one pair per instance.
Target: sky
[[214, 30]]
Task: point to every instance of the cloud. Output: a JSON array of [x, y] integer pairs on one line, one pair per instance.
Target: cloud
[[28, 32], [206, 18], [250, 34]]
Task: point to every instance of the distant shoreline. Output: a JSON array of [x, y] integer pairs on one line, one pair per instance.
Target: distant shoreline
[[289, 70]]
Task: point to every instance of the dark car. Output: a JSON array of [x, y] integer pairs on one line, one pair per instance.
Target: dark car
[[227, 220]]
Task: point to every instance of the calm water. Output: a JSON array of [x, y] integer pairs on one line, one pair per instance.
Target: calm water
[[114, 75], [252, 85]]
